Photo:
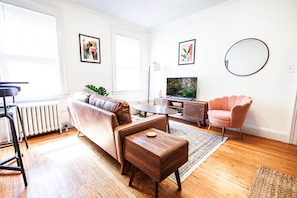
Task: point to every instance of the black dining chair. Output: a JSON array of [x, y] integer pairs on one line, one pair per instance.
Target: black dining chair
[[6, 112]]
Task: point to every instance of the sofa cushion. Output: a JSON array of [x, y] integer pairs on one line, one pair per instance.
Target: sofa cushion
[[82, 96], [119, 107]]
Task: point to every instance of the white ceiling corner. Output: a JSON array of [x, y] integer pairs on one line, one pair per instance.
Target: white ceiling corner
[[148, 14]]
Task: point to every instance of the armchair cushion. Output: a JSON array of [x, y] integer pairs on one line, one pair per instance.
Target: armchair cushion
[[220, 117]]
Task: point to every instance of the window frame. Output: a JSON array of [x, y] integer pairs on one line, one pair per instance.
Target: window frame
[[57, 14], [132, 35]]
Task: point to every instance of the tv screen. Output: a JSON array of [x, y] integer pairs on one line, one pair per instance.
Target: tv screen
[[183, 87]]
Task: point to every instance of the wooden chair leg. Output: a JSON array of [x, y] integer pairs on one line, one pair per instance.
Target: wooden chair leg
[[240, 133], [223, 132], [209, 127], [78, 133]]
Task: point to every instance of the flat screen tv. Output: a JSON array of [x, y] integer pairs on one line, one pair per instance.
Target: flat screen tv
[[181, 87]]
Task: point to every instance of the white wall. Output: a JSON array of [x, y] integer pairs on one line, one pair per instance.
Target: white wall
[[83, 21], [215, 30], [78, 20]]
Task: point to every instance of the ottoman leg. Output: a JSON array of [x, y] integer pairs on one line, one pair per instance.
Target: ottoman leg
[[178, 179], [156, 189], [132, 174]]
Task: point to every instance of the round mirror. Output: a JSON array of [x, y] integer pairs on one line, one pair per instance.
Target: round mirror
[[246, 57]]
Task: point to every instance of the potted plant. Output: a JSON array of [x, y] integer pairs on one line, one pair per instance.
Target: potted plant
[[99, 90]]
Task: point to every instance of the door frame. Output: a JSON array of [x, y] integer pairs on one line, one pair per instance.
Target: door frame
[[293, 134]]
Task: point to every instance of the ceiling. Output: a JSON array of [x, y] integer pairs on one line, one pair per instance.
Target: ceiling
[[148, 14]]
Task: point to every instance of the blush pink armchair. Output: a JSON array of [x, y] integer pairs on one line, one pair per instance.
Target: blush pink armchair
[[228, 111]]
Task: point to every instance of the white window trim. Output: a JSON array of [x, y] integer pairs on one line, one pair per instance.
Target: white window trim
[[132, 35], [58, 14]]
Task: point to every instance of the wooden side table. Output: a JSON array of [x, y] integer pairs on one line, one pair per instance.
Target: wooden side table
[[157, 156]]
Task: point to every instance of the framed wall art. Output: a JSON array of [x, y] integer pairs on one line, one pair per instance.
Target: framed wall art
[[186, 52], [89, 49]]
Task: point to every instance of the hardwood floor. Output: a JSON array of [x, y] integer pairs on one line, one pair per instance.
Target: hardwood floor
[[64, 165]]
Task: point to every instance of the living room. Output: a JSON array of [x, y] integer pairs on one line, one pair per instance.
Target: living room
[[273, 89], [215, 29]]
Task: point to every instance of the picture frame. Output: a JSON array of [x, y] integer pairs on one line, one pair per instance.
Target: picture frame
[[186, 52], [89, 47]]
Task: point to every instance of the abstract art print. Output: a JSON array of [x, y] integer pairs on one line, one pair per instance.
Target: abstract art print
[[89, 49], [186, 52]]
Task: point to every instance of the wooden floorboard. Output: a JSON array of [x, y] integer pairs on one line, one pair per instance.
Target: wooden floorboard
[[64, 165]]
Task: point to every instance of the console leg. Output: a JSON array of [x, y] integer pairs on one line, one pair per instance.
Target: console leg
[[167, 124], [198, 124]]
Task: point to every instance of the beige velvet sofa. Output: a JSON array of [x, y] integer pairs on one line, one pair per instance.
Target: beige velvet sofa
[[106, 121]]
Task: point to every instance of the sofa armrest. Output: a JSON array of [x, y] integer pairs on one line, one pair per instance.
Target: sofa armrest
[[155, 121]]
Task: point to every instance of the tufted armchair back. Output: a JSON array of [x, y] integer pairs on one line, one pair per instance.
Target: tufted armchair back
[[228, 102]]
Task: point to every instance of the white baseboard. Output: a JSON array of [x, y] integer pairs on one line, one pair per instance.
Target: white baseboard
[[266, 133]]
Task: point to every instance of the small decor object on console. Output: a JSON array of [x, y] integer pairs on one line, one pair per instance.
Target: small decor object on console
[[89, 49], [160, 94], [177, 104], [186, 52]]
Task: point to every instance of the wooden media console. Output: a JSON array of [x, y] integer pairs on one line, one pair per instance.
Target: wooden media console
[[189, 110]]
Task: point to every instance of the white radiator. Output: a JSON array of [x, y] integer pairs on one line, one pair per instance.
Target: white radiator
[[39, 117], [5, 134]]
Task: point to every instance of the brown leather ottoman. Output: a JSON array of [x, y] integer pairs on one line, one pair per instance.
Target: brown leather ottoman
[[157, 156]]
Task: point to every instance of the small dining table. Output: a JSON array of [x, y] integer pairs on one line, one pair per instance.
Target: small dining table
[[147, 108], [12, 83]]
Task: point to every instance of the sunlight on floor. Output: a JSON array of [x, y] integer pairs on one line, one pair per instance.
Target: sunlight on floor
[[63, 150]]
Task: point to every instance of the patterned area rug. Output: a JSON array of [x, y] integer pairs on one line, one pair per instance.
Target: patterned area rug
[[201, 146], [271, 183]]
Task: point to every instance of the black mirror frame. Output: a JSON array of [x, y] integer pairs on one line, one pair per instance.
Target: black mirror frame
[[242, 75]]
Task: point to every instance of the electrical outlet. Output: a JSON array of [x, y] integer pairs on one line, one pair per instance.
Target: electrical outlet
[[290, 68]]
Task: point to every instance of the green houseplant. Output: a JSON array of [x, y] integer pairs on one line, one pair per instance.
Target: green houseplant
[[99, 90]]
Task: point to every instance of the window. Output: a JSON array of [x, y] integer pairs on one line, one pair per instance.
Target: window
[[127, 63], [29, 51]]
